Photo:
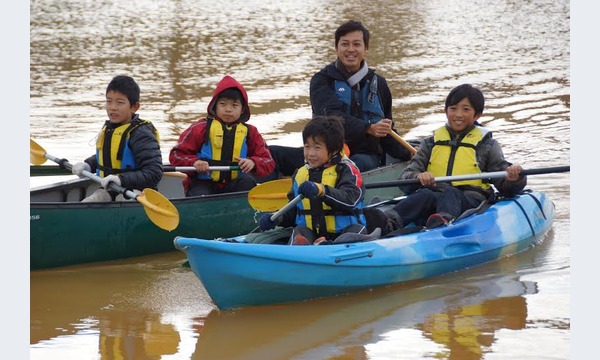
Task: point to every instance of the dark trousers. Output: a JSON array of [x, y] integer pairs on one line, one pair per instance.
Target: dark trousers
[[365, 162], [419, 205], [287, 159]]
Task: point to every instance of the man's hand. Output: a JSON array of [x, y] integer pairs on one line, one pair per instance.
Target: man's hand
[[380, 128]]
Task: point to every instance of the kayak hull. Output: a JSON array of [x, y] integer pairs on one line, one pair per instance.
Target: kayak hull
[[246, 274]]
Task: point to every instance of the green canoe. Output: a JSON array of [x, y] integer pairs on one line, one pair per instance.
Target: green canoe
[[64, 231]]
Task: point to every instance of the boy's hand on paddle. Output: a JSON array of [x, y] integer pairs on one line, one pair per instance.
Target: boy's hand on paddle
[[513, 172], [78, 168], [246, 165], [311, 190], [265, 222], [201, 166], [110, 179]]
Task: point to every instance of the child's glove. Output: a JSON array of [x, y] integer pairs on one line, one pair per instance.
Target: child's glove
[[311, 190], [136, 193], [110, 178], [265, 222], [77, 168]]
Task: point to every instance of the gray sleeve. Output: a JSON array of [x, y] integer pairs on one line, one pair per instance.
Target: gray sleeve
[[419, 162]]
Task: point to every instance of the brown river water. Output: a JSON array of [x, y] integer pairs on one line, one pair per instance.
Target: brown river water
[[517, 52]]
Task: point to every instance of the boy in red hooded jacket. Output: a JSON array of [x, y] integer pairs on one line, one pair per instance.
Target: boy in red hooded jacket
[[223, 138]]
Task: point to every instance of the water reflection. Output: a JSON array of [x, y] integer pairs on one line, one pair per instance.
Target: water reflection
[[151, 307], [135, 335], [131, 309], [457, 318]]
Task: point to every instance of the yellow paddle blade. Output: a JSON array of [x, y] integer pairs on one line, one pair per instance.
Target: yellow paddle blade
[[159, 209], [36, 153], [270, 196]]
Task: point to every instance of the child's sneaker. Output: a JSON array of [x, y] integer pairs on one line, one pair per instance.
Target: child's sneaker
[[437, 220], [299, 239], [320, 240]]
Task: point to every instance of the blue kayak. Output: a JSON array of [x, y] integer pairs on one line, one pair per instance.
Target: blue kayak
[[238, 274]]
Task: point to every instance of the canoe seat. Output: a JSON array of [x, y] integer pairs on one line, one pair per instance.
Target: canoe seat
[[171, 185], [350, 237], [409, 229], [483, 206]]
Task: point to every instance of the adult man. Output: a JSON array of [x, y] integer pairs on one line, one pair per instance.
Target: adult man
[[348, 88]]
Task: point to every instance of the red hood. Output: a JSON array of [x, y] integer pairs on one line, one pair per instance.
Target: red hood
[[226, 83]]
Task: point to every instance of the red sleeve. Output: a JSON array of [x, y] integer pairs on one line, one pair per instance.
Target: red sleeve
[[184, 153], [258, 151]]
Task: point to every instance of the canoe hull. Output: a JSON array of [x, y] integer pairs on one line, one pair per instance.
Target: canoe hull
[[242, 274], [64, 231], [78, 233]]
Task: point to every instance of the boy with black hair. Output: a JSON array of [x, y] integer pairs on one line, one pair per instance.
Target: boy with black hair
[[331, 186], [223, 138], [461, 146], [127, 149]]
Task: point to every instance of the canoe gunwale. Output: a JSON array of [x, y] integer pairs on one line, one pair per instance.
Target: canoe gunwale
[[80, 183]]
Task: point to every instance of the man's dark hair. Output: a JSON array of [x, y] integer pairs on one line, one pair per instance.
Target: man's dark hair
[[460, 92], [329, 129], [126, 86], [351, 26]]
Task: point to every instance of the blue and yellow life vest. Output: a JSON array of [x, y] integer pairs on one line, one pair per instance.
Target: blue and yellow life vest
[[458, 156], [372, 109], [335, 221], [113, 153], [222, 144]]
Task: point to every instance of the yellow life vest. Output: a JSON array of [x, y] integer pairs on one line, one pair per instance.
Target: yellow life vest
[[223, 144], [448, 159], [328, 177], [116, 139]]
